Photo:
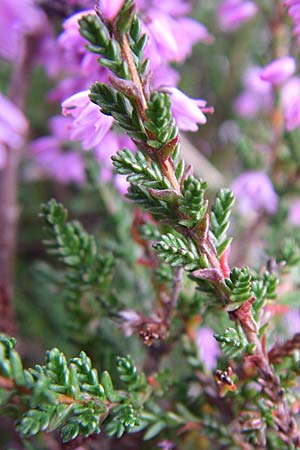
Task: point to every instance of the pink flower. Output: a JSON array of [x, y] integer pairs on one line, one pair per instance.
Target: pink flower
[[255, 193], [110, 8], [294, 214], [64, 166], [257, 94], [73, 46], [208, 347], [89, 125], [13, 128], [279, 70], [294, 12], [231, 14], [188, 112], [17, 20], [290, 100]]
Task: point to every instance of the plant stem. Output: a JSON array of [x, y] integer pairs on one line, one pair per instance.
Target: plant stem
[[9, 208]]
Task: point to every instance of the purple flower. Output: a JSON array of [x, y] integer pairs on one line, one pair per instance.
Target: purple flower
[[279, 70], [188, 112], [255, 193], [208, 347], [231, 14], [62, 165], [256, 96], [13, 128], [294, 214], [171, 38], [111, 143], [110, 8], [17, 20], [290, 100], [89, 125], [294, 12], [166, 445], [73, 45]]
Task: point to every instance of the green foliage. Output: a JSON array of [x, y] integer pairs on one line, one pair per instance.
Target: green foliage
[[138, 42], [68, 396], [101, 43], [159, 207], [290, 252], [264, 288], [139, 170], [129, 374], [88, 271], [161, 123], [240, 287], [115, 104], [192, 204], [220, 219], [233, 342], [177, 251]]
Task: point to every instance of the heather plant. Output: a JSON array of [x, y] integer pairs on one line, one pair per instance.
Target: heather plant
[[180, 343]]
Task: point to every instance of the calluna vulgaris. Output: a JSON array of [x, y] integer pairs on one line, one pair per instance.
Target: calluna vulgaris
[[209, 352]]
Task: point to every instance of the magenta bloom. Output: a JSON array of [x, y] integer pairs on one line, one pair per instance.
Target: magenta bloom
[[18, 19], [13, 128], [255, 193], [231, 14], [64, 166], [256, 96], [188, 112], [89, 125], [294, 214], [290, 100], [208, 347], [294, 12], [75, 55], [110, 8], [279, 70]]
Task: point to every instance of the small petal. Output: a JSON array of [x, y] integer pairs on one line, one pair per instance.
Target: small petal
[[279, 70], [110, 8], [187, 111], [255, 193]]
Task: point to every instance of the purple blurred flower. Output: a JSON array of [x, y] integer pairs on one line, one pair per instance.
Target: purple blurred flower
[[13, 128], [294, 214], [166, 445], [256, 96], [188, 112], [18, 20], [75, 55], [255, 193], [231, 14], [110, 144], [208, 347], [292, 322], [290, 100], [279, 70], [110, 8], [89, 125], [294, 12], [49, 153], [171, 38]]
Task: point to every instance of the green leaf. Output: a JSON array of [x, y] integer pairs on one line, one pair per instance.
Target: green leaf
[[177, 251], [233, 342], [219, 219], [192, 204]]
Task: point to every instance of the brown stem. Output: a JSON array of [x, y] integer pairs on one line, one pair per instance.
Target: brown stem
[[166, 164], [9, 209], [134, 74], [278, 352]]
